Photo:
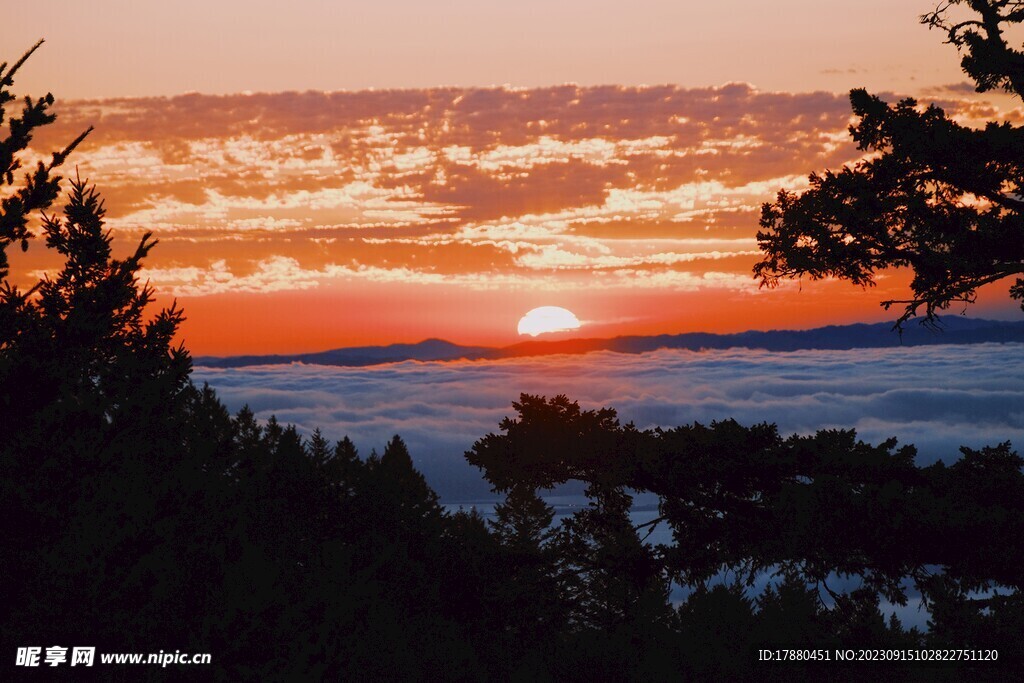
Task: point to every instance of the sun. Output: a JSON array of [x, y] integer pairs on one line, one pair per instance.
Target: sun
[[548, 319]]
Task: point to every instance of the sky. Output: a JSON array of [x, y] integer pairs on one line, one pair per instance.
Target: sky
[[338, 174], [132, 48]]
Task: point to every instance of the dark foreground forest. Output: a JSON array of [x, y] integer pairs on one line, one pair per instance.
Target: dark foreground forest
[[139, 515]]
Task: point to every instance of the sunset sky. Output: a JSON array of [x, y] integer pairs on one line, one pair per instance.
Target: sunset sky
[[329, 174]]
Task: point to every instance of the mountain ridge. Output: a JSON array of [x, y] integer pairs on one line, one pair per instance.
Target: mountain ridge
[[953, 330]]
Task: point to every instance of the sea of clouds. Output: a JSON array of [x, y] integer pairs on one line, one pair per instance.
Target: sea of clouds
[[938, 397]]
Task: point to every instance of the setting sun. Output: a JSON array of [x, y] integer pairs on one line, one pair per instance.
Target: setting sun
[[547, 319]]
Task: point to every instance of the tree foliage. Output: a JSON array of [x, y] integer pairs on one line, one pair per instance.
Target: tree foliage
[[941, 198], [750, 501], [39, 188]]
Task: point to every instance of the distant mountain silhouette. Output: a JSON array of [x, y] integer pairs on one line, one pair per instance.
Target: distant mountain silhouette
[[356, 356], [954, 330]]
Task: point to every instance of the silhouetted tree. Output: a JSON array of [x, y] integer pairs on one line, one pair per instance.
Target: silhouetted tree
[[95, 401], [407, 505], [534, 575], [791, 612], [40, 187], [717, 627], [620, 611], [622, 583], [747, 499], [939, 197], [318, 448]]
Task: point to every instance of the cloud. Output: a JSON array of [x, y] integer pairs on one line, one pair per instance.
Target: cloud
[[558, 180], [963, 88], [271, 275], [283, 273], [938, 397], [552, 257]]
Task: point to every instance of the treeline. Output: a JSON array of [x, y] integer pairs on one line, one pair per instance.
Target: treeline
[[293, 559]]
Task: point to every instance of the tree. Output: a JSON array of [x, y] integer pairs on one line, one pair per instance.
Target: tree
[[623, 585], [941, 198], [40, 188], [747, 499], [533, 582], [94, 403], [408, 506]]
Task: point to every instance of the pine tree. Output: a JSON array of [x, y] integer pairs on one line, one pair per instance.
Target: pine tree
[[533, 589], [931, 194], [40, 187]]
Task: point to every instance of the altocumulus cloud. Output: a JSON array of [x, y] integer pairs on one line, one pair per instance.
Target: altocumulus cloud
[[288, 192], [937, 398]]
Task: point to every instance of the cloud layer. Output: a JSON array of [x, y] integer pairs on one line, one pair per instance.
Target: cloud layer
[[937, 398], [645, 182], [482, 185]]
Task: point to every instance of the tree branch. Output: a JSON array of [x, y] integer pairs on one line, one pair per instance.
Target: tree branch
[[653, 524]]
